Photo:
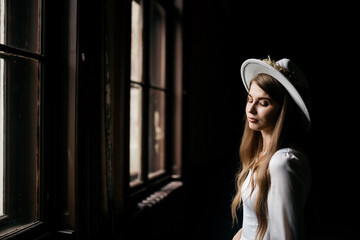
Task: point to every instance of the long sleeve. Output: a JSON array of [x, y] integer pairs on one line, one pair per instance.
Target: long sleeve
[[290, 181]]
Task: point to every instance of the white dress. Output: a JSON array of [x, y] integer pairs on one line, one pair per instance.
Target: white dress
[[290, 182]]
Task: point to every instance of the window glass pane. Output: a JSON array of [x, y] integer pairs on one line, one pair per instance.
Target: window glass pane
[[2, 21], [156, 132], [2, 136], [20, 24], [135, 133], [21, 77], [136, 42], [157, 46]]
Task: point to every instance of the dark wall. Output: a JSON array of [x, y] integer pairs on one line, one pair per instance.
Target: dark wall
[[212, 118], [218, 37]]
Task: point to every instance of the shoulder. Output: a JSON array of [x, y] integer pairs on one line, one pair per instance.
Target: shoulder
[[289, 161], [285, 157], [289, 186]]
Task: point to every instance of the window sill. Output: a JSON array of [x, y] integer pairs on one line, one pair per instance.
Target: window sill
[[156, 198], [160, 195], [17, 229]]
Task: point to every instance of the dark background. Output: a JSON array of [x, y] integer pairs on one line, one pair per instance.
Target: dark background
[[322, 40]]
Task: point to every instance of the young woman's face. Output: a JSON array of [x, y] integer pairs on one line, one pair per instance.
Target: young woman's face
[[261, 110]]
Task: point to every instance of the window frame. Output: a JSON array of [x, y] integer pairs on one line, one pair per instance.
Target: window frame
[[147, 185], [12, 226]]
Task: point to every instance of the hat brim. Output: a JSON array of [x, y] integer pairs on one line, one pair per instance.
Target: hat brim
[[252, 67]]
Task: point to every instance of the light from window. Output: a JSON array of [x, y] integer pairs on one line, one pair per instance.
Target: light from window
[[136, 42], [135, 132], [2, 21], [1, 137], [136, 95], [2, 30]]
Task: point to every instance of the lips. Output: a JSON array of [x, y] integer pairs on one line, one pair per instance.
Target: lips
[[252, 120]]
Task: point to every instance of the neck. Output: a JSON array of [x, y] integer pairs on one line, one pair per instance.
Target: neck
[[266, 136]]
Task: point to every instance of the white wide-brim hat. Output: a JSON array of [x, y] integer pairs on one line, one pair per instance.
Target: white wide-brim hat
[[252, 67]]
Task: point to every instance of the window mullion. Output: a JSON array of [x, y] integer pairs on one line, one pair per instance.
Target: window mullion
[[145, 139]]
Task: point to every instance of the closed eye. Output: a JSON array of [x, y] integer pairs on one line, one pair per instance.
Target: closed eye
[[264, 103]]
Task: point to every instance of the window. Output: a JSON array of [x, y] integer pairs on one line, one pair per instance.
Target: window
[[136, 94], [153, 89], [20, 80], [147, 96]]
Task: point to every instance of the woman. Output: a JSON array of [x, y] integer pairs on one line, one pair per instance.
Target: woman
[[274, 179]]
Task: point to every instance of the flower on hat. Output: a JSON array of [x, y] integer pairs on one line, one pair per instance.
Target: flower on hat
[[288, 74]]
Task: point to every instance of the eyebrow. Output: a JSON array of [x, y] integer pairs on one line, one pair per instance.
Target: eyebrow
[[261, 98]]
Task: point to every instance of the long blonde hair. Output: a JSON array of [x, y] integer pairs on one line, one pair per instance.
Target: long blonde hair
[[250, 148]]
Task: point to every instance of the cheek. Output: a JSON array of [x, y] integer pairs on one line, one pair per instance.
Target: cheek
[[275, 116], [270, 117]]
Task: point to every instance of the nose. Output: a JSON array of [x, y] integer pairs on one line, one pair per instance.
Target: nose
[[251, 108]]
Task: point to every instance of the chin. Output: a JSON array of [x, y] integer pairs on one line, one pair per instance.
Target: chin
[[254, 127]]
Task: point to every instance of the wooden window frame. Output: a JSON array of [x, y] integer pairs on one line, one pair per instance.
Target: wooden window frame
[[149, 185], [15, 222], [56, 172]]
